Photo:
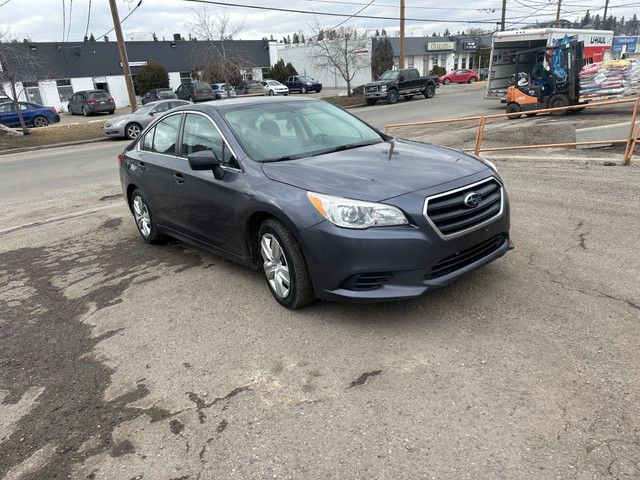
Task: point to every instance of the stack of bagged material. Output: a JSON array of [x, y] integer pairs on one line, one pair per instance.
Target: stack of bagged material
[[613, 78]]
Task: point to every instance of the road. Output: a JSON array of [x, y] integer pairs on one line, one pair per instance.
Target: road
[[120, 360]]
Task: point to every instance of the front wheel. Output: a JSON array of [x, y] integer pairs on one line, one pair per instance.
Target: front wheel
[[132, 131], [513, 108], [284, 267], [429, 91], [271, 94], [559, 100], [370, 101], [40, 121], [392, 97], [303, 90], [144, 219], [446, 81]]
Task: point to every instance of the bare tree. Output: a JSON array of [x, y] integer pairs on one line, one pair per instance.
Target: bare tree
[[343, 52], [18, 64], [216, 29]]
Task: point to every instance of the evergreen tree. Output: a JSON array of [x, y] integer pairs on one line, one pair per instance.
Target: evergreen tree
[[151, 75], [586, 20], [92, 38], [597, 22], [446, 32], [382, 57], [302, 38]]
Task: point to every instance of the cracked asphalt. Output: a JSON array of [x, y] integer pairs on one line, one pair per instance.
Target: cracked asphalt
[[120, 360]]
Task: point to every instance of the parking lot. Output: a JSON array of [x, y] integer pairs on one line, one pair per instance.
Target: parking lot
[[124, 360]]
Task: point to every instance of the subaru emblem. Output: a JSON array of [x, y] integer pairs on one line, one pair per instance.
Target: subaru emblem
[[472, 200]]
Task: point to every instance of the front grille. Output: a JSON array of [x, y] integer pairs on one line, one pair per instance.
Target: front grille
[[366, 281], [449, 214], [372, 89], [466, 257]]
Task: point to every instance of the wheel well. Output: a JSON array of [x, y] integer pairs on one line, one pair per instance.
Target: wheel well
[[130, 190], [251, 235]]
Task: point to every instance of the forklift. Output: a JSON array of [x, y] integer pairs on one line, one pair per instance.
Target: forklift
[[560, 88]]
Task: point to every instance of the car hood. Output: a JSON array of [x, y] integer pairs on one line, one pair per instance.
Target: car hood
[[121, 118], [376, 172], [377, 83]]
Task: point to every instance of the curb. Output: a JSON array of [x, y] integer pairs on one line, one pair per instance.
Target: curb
[[55, 145]]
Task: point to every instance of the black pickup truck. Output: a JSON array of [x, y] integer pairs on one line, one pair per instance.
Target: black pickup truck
[[394, 83]]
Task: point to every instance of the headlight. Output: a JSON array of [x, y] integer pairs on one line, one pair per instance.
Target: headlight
[[383, 88], [348, 213]]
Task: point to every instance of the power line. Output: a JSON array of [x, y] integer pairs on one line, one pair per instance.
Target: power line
[[121, 21], [330, 14], [347, 19], [4, 3], [70, 11], [64, 20], [395, 6]]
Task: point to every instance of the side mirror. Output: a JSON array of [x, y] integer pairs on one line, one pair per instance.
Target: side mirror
[[206, 160]]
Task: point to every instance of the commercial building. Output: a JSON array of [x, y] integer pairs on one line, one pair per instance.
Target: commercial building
[[65, 68]]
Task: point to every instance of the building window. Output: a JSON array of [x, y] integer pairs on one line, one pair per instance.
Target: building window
[[185, 77], [464, 63], [65, 90], [434, 60]]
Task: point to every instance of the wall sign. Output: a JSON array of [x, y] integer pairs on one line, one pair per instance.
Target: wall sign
[[432, 46]]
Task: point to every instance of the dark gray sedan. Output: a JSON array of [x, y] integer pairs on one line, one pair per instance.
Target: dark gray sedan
[[130, 126], [324, 204]]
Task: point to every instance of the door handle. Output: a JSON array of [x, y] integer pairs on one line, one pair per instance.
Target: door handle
[[141, 165], [179, 178]]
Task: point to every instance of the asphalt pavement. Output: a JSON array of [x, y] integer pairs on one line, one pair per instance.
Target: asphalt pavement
[[121, 360]]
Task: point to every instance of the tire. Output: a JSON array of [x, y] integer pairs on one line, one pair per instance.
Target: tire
[[111, 112], [392, 97], [408, 98], [446, 81], [429, 91], [284, 267], [530, 114], [84, 112], [559, 100], [40, 121], [191, 99], [473, 79], [513, 108], [70, 109], [319, 90], [271, 94], [144, 219], [303, 90], [132, 131], [370, 101]]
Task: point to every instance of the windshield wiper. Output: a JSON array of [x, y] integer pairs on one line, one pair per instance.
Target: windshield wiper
[[348, 146]]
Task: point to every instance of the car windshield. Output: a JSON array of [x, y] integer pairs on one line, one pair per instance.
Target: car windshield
[[273, 83], [289, 130], [389, 75], [305, 79]]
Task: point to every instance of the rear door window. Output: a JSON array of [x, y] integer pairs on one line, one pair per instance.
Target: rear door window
[[162, 138]]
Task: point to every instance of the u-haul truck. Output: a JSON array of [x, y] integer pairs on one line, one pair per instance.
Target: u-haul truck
[[506, 44]]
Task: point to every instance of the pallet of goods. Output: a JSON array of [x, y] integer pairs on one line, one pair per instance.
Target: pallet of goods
[[608, 80]]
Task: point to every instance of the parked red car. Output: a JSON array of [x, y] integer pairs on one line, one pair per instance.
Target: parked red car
[[463, 75]]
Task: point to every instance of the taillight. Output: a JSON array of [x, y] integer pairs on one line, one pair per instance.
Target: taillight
[[120, 157], [111, 99], [91, 101], [194, 91], [53, 110]]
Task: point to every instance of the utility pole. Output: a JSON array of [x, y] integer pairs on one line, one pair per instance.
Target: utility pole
[[123, 55], [401, 33], [606, 5], [504, 13], [557, 24]]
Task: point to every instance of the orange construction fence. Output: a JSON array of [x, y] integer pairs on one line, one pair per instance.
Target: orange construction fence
[[630, 142]]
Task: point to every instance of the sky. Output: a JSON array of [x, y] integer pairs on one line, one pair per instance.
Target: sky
[[69, 20]]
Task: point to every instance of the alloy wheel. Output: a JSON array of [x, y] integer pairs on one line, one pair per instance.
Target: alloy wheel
[[141, 214], [275, 265]]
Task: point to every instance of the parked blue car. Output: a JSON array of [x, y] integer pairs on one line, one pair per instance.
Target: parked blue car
[[34, 115], [220, 90]]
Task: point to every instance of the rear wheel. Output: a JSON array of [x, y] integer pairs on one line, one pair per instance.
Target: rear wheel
[[392, 96], [370, 101], [132, 131], [559, 100], [446, 81], [429, 91], [40, 121], [191, 99], [408, 98], [111, 112], [473, 79], [84, 112], [284, 267], [144, 219], [513, 108]]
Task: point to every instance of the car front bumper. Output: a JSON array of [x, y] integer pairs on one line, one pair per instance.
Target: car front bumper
[[114, 130], [395, 263]]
